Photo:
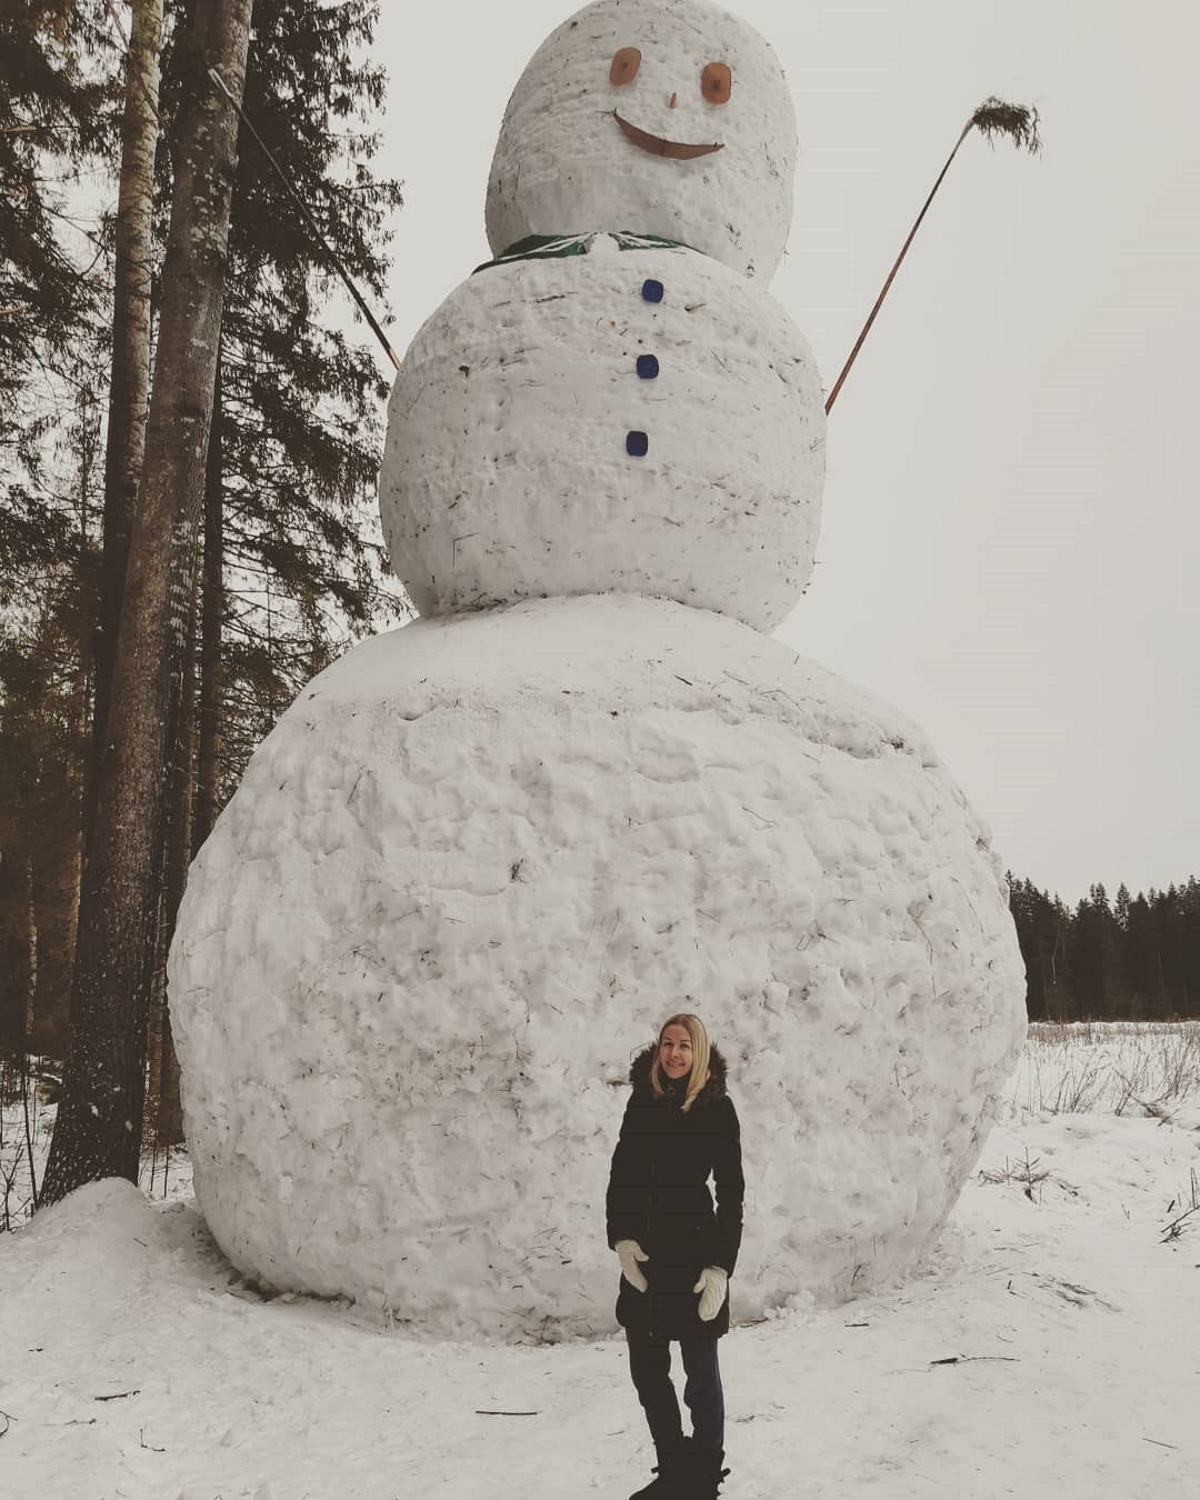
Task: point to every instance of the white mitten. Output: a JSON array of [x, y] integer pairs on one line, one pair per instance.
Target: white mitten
[[711, 1286], [630, 1253]]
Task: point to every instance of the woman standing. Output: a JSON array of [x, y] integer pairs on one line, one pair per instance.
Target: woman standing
[[677, 1254]]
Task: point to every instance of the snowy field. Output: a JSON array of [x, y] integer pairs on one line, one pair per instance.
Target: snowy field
[[1048, 1349]]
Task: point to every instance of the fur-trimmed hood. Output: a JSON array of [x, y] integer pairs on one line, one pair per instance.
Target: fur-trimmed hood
[[639, 1076]]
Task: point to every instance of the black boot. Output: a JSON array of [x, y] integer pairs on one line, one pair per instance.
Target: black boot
[[672, 1469], [703, 1474]]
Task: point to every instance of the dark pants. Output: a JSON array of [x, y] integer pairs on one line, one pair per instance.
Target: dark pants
[[650, 1366]]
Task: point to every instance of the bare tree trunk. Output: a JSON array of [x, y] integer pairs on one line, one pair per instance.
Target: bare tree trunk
[[154, 1012], [55, 871], [98, 1130], [169, 1128], [18, 952], [211, 622], [130, 385], [57, 862], [53, 845]]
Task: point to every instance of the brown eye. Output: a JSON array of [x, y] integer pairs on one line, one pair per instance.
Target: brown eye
[[625, 64], [716, 83]]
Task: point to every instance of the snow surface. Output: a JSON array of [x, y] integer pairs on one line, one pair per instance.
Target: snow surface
[[562, 164], [506, 474], [469, 873], [138, 1366]]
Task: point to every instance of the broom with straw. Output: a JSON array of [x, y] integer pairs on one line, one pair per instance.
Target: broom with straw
[[992, 118]]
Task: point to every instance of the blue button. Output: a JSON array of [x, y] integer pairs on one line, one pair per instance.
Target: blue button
[[637, 444], [652, 291], [647, 367]]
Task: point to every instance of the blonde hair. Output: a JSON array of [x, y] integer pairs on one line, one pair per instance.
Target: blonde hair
[[694, 1027]]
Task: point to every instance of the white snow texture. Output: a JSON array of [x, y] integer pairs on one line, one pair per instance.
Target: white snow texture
[[562, 164], [469, 873], [506, 473]]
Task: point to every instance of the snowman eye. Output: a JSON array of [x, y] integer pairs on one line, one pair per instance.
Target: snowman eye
[[716, 83], [626, 61]]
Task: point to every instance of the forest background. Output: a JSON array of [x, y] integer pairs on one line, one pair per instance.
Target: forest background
[[286, 566]]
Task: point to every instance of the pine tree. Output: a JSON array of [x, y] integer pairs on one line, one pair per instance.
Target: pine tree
[[289, 570], [294, 441], [98, 1129], [57, 103], [55, 115], [129, 383], [301, 430], [1093, 956], [44, 626], [1189, 903]]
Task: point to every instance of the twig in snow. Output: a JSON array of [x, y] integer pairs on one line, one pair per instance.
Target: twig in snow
[[8, 1421], [480, 1413], [611, 935], [968, 1359], [33, 1187], [763, 822], [118, 1396], [1173, 1231]]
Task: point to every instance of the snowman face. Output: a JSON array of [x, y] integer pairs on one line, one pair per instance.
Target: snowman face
[[716, 85], [666, 117]]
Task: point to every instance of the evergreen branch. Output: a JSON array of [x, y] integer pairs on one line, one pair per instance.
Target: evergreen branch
[[310, 221]]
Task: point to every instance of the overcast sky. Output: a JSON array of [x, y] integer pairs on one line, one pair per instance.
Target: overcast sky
[[1011, 533]]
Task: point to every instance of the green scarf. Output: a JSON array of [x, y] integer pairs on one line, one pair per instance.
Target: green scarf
[[559, 246]]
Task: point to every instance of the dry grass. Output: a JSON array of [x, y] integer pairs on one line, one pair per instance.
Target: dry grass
[[1186, 1208], [1151, 1068], [24, 1140]]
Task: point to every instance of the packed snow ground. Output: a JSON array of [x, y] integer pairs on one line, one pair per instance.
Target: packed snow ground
[[1047, 1350]]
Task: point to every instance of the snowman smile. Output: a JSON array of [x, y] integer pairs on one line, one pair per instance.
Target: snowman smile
[[657, 146]]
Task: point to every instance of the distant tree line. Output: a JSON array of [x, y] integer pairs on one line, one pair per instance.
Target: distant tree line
[[1134, 958]]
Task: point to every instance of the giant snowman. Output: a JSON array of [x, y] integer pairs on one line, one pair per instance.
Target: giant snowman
[[483, 856]]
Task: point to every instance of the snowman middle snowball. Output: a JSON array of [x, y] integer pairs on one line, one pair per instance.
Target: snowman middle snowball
[[637, 419]]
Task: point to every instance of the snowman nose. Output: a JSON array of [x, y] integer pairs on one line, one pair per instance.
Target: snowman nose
[[672, 103]]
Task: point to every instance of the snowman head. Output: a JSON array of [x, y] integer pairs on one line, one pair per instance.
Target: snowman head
[[663, 117]]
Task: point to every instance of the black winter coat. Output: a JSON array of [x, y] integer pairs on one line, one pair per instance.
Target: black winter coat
[[658, 1195]]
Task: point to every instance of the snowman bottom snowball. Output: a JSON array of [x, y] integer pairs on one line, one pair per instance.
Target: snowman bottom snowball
[[468, 874]]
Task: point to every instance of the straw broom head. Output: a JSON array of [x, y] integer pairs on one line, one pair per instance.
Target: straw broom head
[[994, 117]]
